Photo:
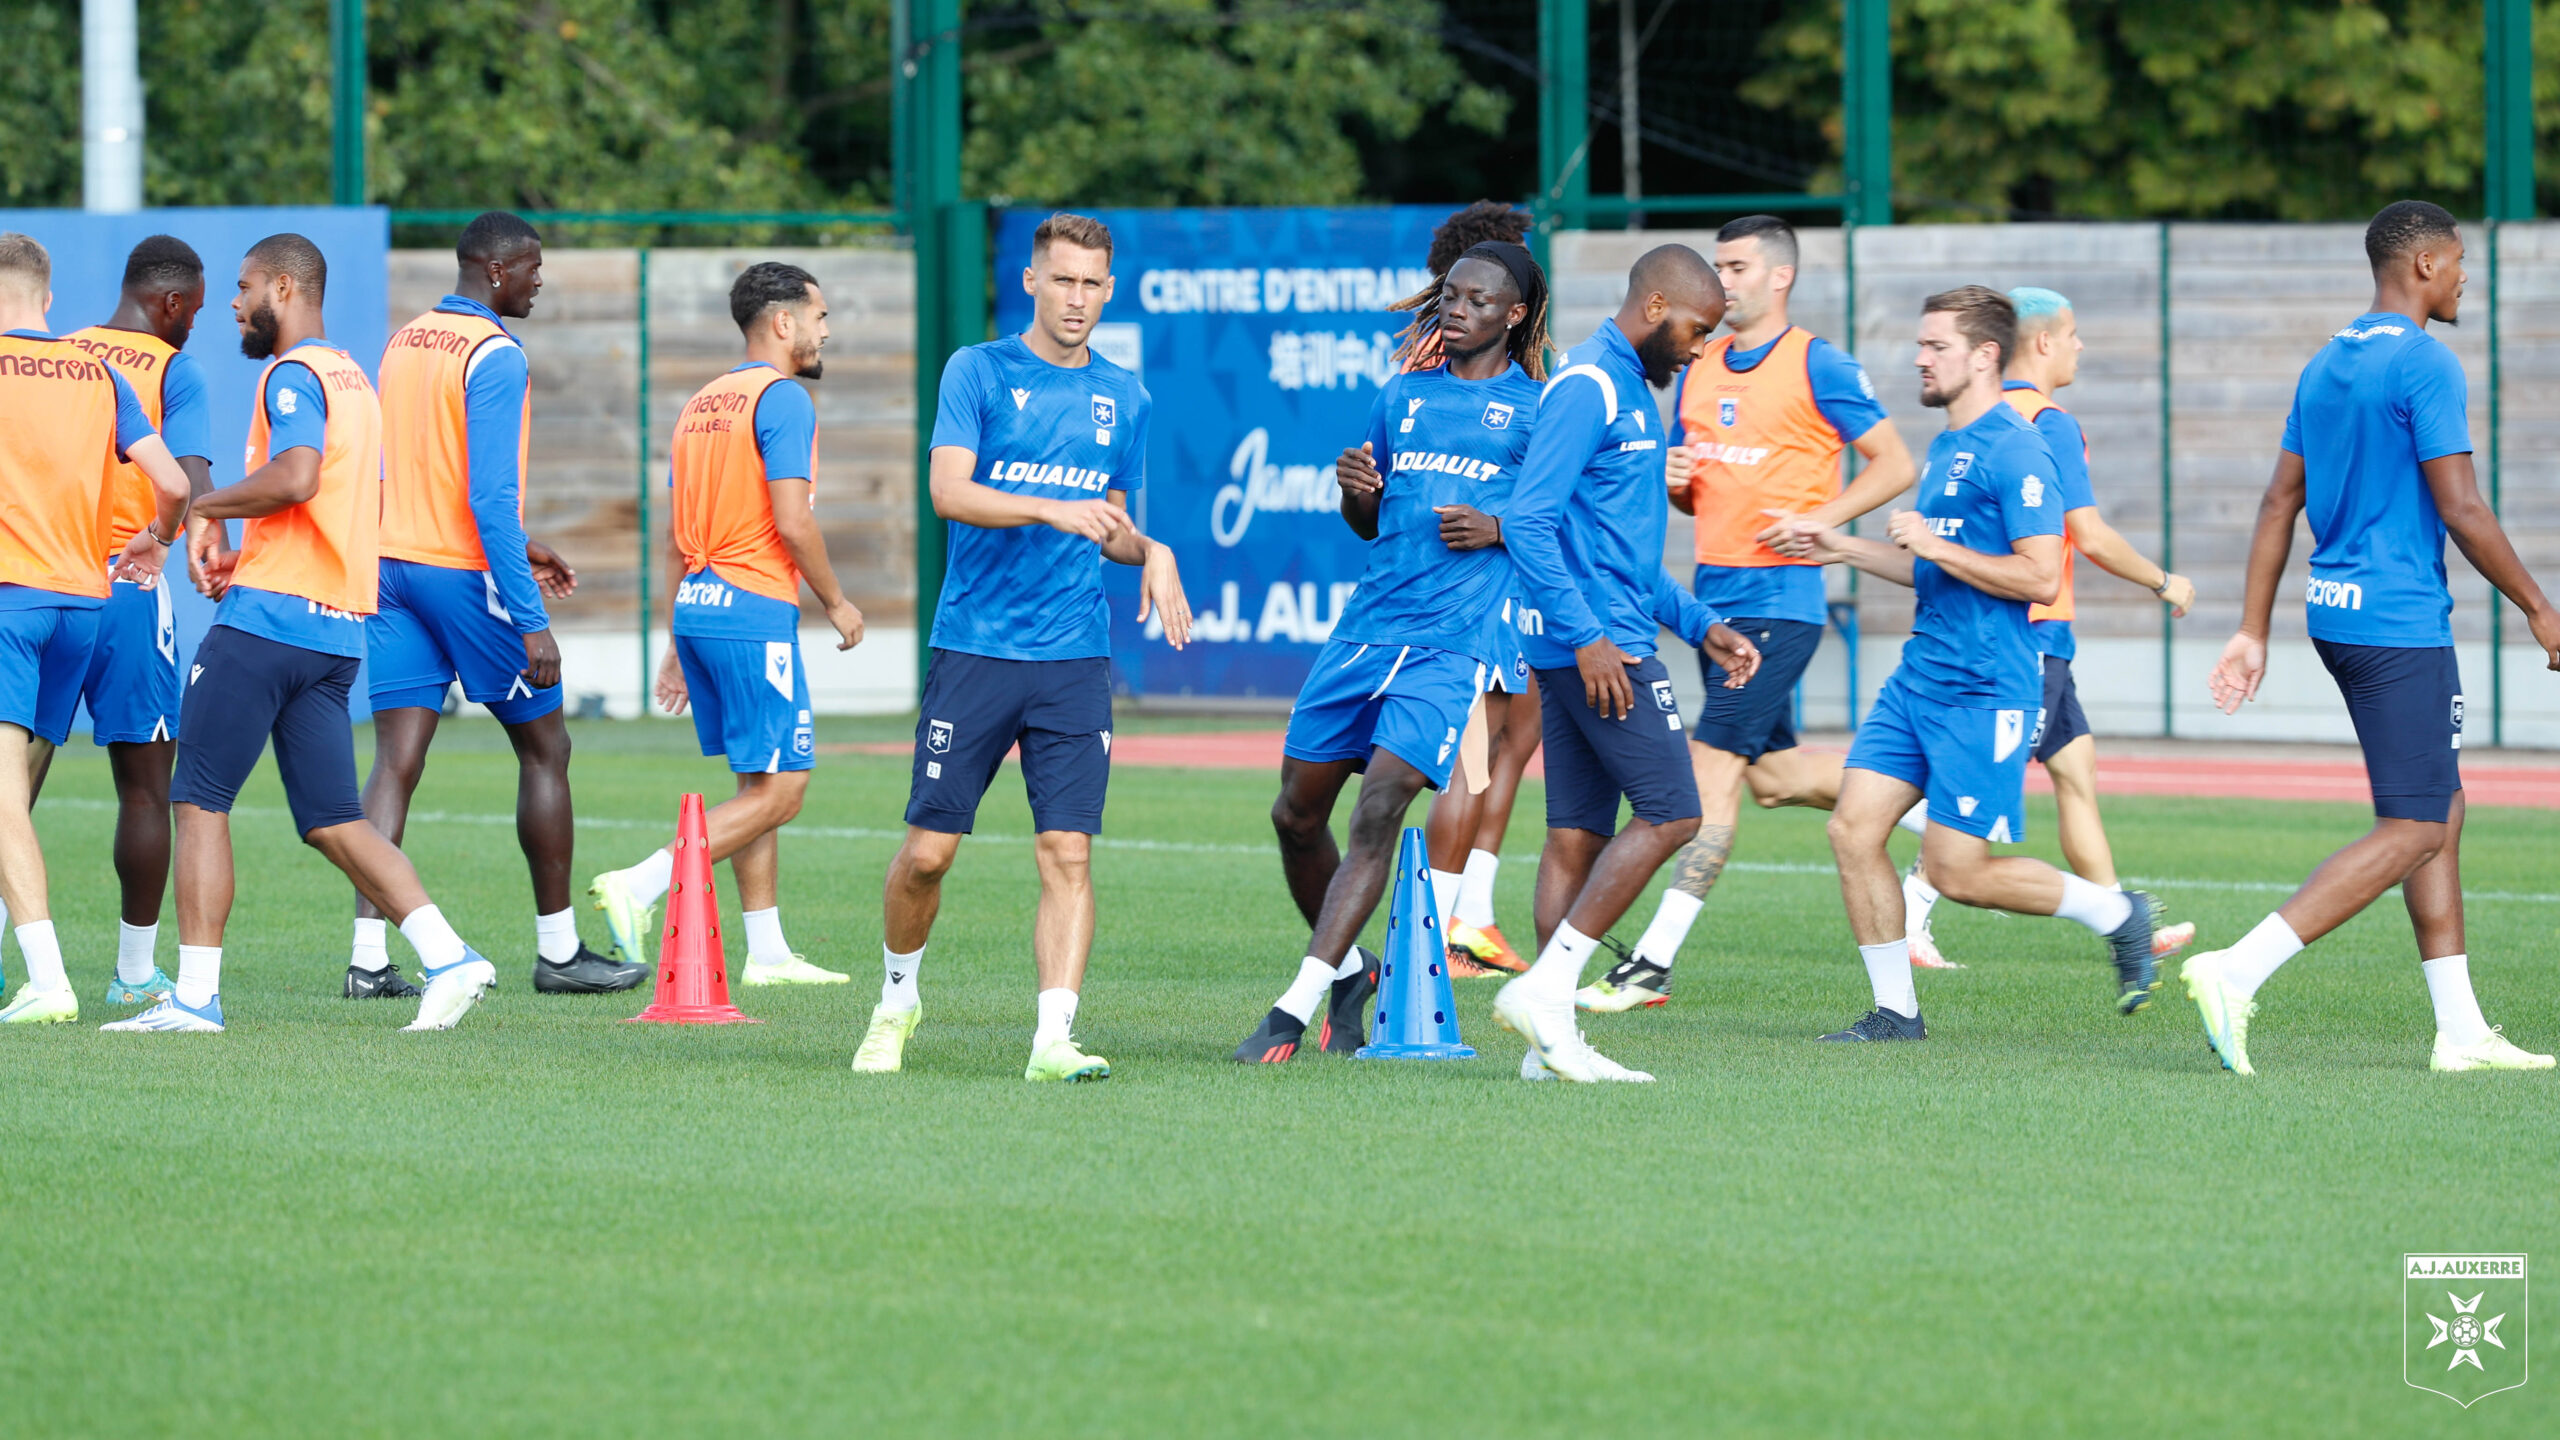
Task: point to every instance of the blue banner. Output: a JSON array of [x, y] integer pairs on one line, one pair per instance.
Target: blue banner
[[1263, 336]]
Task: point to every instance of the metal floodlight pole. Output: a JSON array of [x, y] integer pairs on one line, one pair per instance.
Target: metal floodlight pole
[[1866, 110], [346, 102], [110, 108]]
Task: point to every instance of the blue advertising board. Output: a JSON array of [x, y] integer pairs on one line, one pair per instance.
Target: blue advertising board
[[88, 275], [1263, 336]]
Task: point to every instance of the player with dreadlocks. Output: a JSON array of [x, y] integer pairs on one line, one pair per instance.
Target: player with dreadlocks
[[1430, 623]]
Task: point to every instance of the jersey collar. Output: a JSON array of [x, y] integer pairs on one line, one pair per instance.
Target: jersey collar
[[462, 305]]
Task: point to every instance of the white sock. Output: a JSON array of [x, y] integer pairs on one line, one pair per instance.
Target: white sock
[[431, 937], [898, 978], [764, 936], [2095, 906], [1919, 897], [1475, 888], [1057, 1017], [1315, 977], [650, 878], [1661, 940], [373, 945], [1889, 973], [135, 947], [43, 954], [1558, 971], [2248, 964], [1350, 965], [2458, 1017], [1445, 885], [1916, 819], [555, 937], [199, 975]]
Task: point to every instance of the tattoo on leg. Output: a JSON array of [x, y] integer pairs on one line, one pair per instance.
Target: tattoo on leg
[[1702, 860]]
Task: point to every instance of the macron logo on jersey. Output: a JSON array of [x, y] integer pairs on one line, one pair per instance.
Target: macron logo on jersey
[[1019, 396], [710, 594], [2334, 594], [1433, 462], [1027, 472]]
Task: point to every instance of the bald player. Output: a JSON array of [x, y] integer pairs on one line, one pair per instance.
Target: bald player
[[462, 590], [66, 421], [1585, 533], [1766, 413], [285, 646]]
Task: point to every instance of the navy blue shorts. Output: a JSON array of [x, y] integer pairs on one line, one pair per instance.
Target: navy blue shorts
[[132, 685], [2064, 721], [245, 688], [2407, 709], [1592, 761], [436, 625], [1759, 717], [977, 707]]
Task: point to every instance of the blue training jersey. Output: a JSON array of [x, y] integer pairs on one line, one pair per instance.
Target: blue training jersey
[[1439, 440], [297, 409], [2070, 447], [709, 607], [2380, 399], [1846, 400], [1986, 487], [1031, 592]]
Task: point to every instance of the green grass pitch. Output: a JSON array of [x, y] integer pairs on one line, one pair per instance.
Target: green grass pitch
[[2045, 1221]]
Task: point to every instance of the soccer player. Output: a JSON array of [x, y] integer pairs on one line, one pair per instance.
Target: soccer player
[[1392, 690], [66, 421], [2047, 359], [1765, 414], [1956, 721], [1467, 825], [285, 645], [1585, 533], [746, 531], [1037, 442], [2378, 448], [462, 592], [132, 685]]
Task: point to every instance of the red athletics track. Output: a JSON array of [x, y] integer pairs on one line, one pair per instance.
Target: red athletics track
[[2281, 773]]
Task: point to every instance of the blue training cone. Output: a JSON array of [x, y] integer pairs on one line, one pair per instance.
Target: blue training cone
[[1417, 1018]]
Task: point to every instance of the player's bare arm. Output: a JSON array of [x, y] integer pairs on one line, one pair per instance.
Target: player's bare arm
[[2031, 571], [2475, 528], [1887, 473], [1739, 658], [1159, 579], [551, 573], [797, 525], [672, 695], [285, 481], [1363, 488], [1805, 538], [957, 496], [148, 550], [2107, 549], [2243, 665]]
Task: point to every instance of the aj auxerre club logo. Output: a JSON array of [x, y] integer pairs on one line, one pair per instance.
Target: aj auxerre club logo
[[1497, 416], [2463, 1325], [1728, 410], [1957, 467], [1104, 414], [937, 737]]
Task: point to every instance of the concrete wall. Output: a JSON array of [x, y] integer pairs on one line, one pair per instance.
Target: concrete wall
[[2247, 306]]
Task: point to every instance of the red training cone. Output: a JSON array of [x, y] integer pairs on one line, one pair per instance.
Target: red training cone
[[693, 974]]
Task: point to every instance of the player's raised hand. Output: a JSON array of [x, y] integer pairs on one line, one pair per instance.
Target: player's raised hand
[[1464, 527], [2243, 665], [848, 623], [2179, 593], [672, 696], [2546, 633], [1604, 678], [1679, 467], [1357, 471], [551, 574], [1160, 594], [1097, 520], [1740, 658], [142, 558], [541, 660]]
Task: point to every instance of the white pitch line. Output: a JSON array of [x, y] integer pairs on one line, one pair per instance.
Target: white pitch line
[[1196, 847]]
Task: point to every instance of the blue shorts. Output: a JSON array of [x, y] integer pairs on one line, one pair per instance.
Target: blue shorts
[[1761, 716], [437, 625], [244, 689], [44, 655], [1509, 672], [132, 684], [1592, 761], [977, 707], [1407, 700], [750, 702], [2407, 709], [1972, 764], [2064, 721]]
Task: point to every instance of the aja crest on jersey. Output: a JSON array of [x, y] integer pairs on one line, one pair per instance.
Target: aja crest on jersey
[[1728, 410], [1497, 416], [1104, 412]]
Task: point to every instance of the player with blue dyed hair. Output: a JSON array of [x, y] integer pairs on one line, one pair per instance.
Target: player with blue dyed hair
[[2047, 358]]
